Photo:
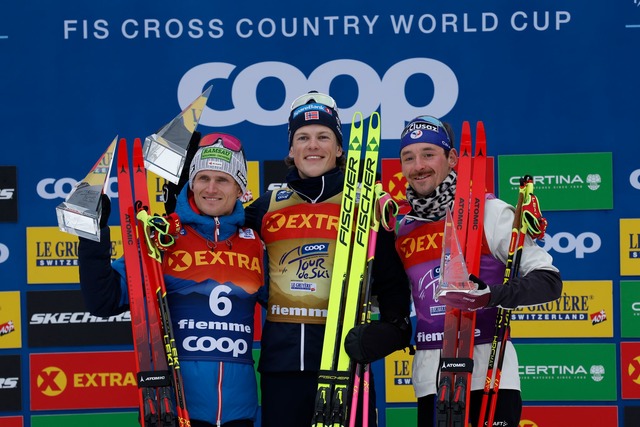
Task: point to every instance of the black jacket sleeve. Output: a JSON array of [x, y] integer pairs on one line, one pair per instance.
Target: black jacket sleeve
[[254, 213], [377, 339], [390, 282], [537, 287], [100, 284]]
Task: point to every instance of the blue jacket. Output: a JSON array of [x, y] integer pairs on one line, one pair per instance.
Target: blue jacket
[[105, 291]]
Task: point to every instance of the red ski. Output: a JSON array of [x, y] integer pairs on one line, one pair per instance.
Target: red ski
[[152, 267], [152, 374], [452, 409]]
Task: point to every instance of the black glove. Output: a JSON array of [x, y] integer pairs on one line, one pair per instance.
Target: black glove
[[106, 210], [372, 341]]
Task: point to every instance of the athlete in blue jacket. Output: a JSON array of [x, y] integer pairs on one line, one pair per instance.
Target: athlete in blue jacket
[[213, 273]]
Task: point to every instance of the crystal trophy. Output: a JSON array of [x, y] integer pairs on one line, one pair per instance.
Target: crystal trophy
[[165, 151], [80, 213], [454, 275]]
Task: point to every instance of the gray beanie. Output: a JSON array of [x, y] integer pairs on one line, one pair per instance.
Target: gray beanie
[[220, 152]]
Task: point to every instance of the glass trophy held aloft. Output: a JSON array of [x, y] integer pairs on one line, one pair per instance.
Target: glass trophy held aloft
[[165, 151], [454, 275], [80, 213]]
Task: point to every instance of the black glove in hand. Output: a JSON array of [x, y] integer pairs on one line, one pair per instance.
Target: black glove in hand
[[106, 210], [468, 300], [372, 341]]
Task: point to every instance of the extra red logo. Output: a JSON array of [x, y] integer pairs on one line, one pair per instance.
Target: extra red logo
[[630, 369], [563, 416], [51, 381], [83, 380]]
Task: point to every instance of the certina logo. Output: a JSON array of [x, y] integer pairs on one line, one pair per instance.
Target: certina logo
[[384, 92], [564, 243], [75, 318], [4, 253], [548, 182], [182, 260], [562, 372], [51, 188]]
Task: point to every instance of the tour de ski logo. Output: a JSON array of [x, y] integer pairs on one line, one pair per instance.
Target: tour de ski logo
[[308, 262]]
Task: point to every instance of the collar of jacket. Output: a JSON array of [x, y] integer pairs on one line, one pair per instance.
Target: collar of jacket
[[205, 224], [316, 189]]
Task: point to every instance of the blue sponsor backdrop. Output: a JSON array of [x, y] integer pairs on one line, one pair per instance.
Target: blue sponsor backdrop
[[544, 76]]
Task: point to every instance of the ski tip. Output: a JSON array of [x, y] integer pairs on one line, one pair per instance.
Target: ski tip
[[374, 121], [480, 135], [357, 118], [465, 138]]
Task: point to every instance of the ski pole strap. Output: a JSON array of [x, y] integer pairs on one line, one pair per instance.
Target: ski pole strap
[[532, 217], [152, 248], [161, 229], [387, 208]]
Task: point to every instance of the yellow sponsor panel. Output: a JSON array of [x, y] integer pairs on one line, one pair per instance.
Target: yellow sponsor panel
[[155, 184], [629, 247], [253, 172], [398, 382], [52, 255], [585, 309], [10, 326]]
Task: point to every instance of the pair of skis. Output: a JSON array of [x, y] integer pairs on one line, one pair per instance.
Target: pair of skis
[[353, 250], [452, 399], [159, 376]]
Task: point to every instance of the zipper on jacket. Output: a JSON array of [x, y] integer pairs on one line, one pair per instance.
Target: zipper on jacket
[[302, 346]]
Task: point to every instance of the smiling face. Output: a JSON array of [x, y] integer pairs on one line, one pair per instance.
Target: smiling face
[[314, 149], [426, 165], [215, 193]]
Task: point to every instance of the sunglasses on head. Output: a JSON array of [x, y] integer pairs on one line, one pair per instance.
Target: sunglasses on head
[[314, 97], [430, 119], [229, 142]]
